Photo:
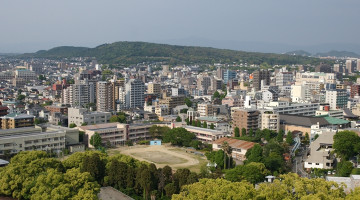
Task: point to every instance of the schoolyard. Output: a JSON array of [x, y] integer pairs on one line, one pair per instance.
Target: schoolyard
[[162, 155]]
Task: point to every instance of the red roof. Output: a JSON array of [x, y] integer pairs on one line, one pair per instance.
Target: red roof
[[235, 143]]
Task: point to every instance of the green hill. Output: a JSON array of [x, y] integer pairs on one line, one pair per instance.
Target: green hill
[[127, 53]]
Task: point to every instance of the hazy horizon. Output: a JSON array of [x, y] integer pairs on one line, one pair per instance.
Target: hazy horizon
[[264, 26]]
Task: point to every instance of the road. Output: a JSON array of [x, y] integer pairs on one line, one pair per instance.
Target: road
[[298, 163]]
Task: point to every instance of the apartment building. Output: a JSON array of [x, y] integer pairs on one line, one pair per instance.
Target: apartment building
[[205, 109], [16, 120], [171, 101], [134, 93], [105, 96], [246, 118], [269, 120], [336, 98], [284, 78], [260, 76], [51, 138], [80, 116], [282, 107], [57, 109], [78, 95], [154, 88]]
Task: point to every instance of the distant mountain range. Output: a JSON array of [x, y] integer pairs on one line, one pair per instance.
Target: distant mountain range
[[128, 53], [337, 54]]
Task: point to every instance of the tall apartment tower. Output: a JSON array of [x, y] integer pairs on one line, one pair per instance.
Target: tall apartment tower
[[105, 96], [134, 93], [78, 95], [349, 66], [154, 88], [358, 64], [260, 75], [246, 118]]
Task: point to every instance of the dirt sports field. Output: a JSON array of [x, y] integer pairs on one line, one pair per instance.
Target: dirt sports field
[[164, 155]]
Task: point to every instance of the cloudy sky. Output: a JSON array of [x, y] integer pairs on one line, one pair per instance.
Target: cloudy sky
[[27, 26]]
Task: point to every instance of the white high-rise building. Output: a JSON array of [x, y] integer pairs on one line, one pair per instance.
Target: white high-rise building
[[78, 95], [134, 90]]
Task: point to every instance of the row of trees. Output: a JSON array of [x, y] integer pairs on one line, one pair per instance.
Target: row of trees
[[256, 136], [290, 187], [198, 123]]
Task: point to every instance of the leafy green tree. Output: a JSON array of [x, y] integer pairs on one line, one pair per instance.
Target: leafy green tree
[[216, 95], [243, 132], [307, 138], [188, 102], [20, 97], [280, 136], [255, 154], [114, 118], [84, 124], [81, 136], [227, 150], [179, 136], [205, 125], [37, 121], [216, 189], [212, 126], [346, 144], [72, 125], [253, 172], [344, 168], [95, 166], [42, 77], [198, 123], [96, 140], [274, 162], [193, 123], [251, 132], [170, 189], [187, 121], [178, 119], [237, 132], [289, 138]]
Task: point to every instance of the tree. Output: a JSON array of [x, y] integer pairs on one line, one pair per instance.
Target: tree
[[243, 132], [72, 125], [251, 132], [307, 138], [216, 189], [237, 132], [114, 118], [20, 97], [81, 136], [280, 136], [179, 136], [198, 123], [188, 102], [274, 162], [255, 154], [96, 140], [344, 168], [84, 124], [42, 77], [346, 144], [178, 119], [212, 126], [227, 150], [95, 166], [37, 121], [205, 125], [187, 121], [289, 138], [216, 95], [193, 123], [253, 172]]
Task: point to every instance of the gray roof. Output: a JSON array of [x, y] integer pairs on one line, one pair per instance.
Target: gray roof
[[305, 121]]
